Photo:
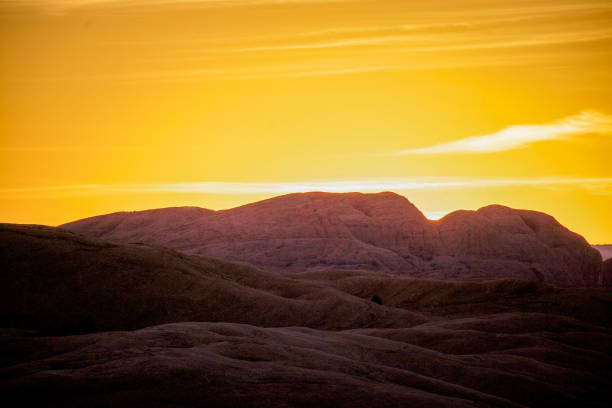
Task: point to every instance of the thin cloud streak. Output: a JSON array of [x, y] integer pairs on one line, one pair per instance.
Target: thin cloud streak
[[75, 148], [558, 38], [517, 136], [66, 5], [381, 45], [63, 6], [256, 73], [377, 30], [334, 44], [252, 188]]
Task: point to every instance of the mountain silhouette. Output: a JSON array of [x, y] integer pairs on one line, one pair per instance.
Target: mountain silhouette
[[381, 232]]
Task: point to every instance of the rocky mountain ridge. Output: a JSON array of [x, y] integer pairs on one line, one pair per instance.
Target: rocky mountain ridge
[[384, 232]]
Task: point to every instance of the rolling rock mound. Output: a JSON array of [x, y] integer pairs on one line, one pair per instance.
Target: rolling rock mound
[[384, 232], [492, 361], [58, 282], [86, 323]]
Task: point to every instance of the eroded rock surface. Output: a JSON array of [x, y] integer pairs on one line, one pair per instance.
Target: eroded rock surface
[[59, 282], [500, 360], [384, 231], [245, 337]]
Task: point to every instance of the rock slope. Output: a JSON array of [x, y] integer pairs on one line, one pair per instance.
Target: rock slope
[[60, 283], [219, 334], [310, 231], [494, 361]]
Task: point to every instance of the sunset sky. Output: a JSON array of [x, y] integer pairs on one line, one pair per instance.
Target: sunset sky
[[110, 105]]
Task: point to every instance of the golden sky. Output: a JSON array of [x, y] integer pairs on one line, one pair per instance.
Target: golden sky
[[109, 105]]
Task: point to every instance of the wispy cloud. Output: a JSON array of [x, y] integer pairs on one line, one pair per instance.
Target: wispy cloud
[[76, 148], [503, 8], [467, 44], [338, 186], [333, 44], [517, 136], [230, 74], [63, 6], [462, 35]]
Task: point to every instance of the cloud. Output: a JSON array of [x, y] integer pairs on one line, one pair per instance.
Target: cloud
[[333, 44], [75, 148], [501, 8], [517, 136], [230, 74], [63, 6], [468, 35], [597, 185], [469, 43]]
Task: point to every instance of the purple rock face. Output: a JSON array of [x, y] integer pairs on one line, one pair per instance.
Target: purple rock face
[[313, 231], [544, 250]]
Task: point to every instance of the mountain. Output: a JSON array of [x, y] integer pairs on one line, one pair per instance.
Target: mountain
[[86, 323], [59, 282], [384, 232]]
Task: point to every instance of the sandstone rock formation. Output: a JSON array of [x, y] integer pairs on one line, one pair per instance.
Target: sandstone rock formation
[[500, 241], [246, 337], [384, 231], [243, 337], [494, 361]]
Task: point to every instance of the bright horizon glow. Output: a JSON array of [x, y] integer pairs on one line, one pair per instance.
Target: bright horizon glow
[[339, 186], [123, 105], [436, 215]]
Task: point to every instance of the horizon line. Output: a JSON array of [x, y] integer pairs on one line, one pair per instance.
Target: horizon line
[[599, 185]]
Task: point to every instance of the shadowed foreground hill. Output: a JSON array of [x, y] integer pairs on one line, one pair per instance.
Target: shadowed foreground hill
[[57, 281], [60, 282], [235, 340], [490, 361], [383, 232]]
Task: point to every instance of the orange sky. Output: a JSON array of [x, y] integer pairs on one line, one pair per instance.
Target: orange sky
[[109, 105]]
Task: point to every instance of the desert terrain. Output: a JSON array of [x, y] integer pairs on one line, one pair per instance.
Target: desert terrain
[[380, 232], [93, 323], [306, 203]]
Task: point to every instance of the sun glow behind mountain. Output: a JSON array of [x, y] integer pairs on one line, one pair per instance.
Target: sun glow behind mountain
[[110, 105]]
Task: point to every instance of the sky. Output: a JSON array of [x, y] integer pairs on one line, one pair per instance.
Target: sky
[[122, 105]]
